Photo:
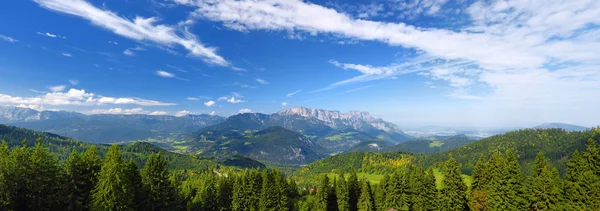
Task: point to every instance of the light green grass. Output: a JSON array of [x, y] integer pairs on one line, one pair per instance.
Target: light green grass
[[439, 178], [436, 144], [373, 178], [334, 138]]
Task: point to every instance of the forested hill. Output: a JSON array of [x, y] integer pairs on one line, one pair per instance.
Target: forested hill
[[62, 147], [556, 144]]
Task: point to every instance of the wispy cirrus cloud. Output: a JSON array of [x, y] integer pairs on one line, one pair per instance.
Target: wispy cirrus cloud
[[141, 29], [132, 51], [67, 54], [47, 34], [294, 93], [8, 39], [166, 74], [262, 81]]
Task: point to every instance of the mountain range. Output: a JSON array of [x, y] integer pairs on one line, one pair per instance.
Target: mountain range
[[290, 137]]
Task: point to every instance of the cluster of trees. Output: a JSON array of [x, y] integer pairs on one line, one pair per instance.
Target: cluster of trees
[[498, 184], [32, 179], [408, 188]]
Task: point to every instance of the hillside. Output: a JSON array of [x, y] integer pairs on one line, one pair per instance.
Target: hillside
[[275, 145], [62, 146], [425, 146], [371, 146], [556, 144], [567, 127], [107, 128]]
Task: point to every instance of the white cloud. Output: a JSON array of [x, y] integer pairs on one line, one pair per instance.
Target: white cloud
[[79, 98], [244, 110], [262, 81], [51, 35], [284, 104], [7, 38], [212, 113], [30, 106], [158, 113], [73, 82], [243, 85], [128, 52], [183, 113], [165, 74], [141, 29], [58, 88], [67, 54], [193, 98], [232, 98], [293, 93], [365, 69], [358, 89], [113, 42], [209, 103], [119, 111]]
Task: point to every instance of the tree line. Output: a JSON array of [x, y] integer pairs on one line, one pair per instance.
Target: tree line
[[32, 179]]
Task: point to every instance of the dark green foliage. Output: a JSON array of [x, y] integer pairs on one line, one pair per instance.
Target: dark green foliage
[[353, 190], [544, 189], [428, 146], [113, 191], [140, 194], [325, 198], [161, 192], [366, 201], [453, 196], [398, 191], [342, 192]]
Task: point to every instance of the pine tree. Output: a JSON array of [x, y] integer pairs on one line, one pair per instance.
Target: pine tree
[[17, 176], [161, 192], [91, 164], [325, 197], [74, 191], [225, 193], [500, 194], [478, 187], [417, 188], [342, 192], [46, 179], [397, 196], [381, 193], [544, 193], [514, 182], [454, 192], [582, 184], [5, 199], [366, 201], [112, 192], [430, 192], [353, 190], [282, 190], [141, 200], [268, 196]]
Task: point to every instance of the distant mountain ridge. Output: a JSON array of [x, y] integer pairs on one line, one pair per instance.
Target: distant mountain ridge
[[564, 126], [106, 128], [354, 119]]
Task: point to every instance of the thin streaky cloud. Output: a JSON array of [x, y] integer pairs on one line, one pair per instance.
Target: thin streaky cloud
[[293, 93]]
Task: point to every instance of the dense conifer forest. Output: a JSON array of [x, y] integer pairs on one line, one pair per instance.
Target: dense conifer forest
[[32, 178]]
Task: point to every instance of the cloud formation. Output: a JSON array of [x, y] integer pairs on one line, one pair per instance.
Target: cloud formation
[[7, 38], [158, 113], [47, 34], [58, 88], [244, 110], [79, 98], [140, 29], [293, 93], [119, 111], [209, 103], [183, 113], [262, 81], [73, 82]]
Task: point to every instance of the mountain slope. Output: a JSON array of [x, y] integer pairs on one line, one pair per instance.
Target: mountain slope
[[275, 145], [556, 144], [371, 146], [139, 151], [106, 128], [439, 144]]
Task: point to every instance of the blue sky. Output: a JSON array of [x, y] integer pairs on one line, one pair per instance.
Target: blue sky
[[412, 62]]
